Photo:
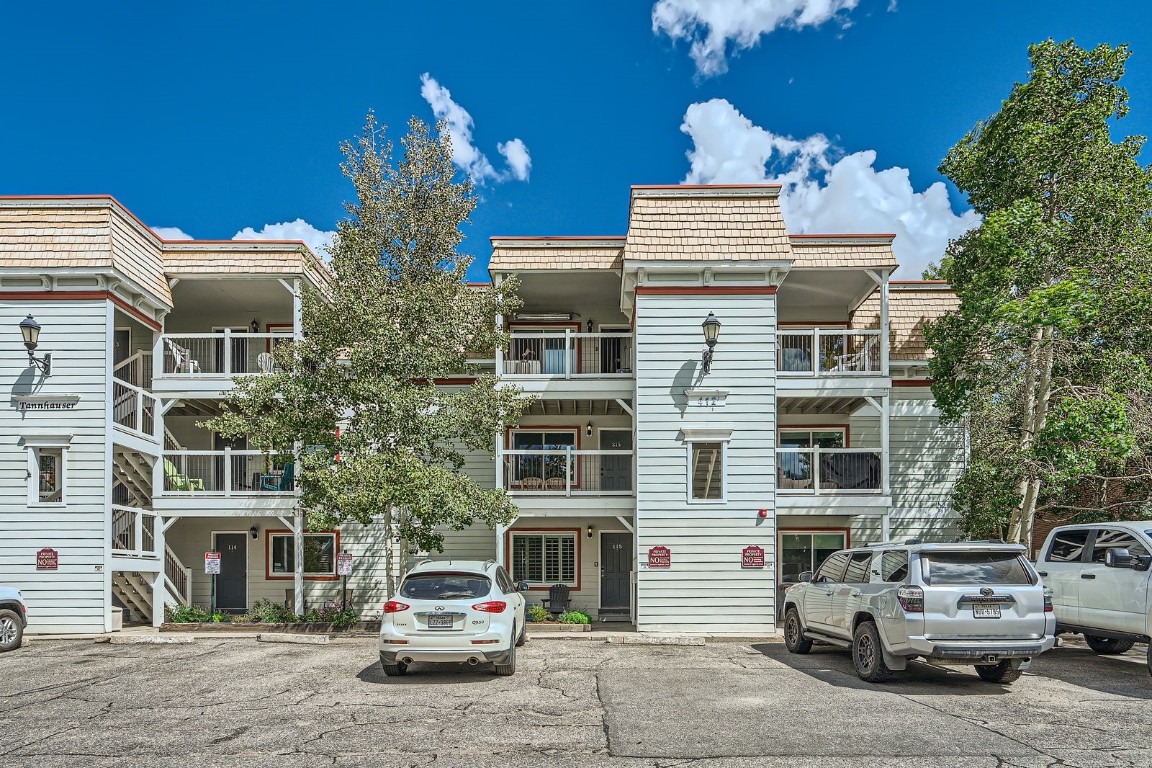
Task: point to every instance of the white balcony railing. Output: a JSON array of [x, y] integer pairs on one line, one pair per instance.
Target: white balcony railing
[[222, 354], [134, 409], [829, 470], [819, 352], [135, 370], [225, 473], [567, 354], [568, 472], [133, 532]]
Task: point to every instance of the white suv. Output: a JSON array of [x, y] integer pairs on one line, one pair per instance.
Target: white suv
[[1101, 580], [13, 618], [463, 611]]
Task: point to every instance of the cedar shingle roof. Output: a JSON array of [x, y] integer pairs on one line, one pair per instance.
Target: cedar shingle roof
[[910, 305], [530, 253], [851, 251]]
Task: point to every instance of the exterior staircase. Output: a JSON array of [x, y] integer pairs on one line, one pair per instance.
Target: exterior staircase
[[134, 591]]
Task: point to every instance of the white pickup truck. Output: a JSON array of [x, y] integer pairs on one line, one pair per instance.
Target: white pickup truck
[[1100, 575]]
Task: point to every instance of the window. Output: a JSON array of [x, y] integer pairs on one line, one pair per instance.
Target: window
[[445, 586], [540, 458], [47, 469], [1068, 546], [832, 568], [706, 471], [1107, 538], [894, 566], [803, 551], [543, 559], [857, 571], [974, 568], [808, 438], [794, 460], [319, 555], [503, 581]]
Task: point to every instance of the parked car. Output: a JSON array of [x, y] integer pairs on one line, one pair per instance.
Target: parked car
[[978, 603], [13, 618], [453, 611], [1100, 578]]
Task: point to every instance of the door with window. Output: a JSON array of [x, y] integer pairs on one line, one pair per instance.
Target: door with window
[[615, 350], [855, 579], [542, 459], [616, 471], [1114, 597], [818, 596]]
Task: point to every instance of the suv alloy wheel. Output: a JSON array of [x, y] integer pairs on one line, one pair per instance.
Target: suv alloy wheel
[[794, 634], [868, 654]]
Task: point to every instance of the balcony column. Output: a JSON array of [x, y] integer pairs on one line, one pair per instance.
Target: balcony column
[[885, 443], [159, 585], [157, 355], [496, 280], [884, 331]]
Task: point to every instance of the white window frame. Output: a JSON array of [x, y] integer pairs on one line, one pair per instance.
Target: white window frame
[[33, 445], [292, 548], [574, 582], [780, 430], [692, 436]]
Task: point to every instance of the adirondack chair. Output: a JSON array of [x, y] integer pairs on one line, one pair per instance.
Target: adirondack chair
[[178, 482], [182, 361], [557, 599], [283, 482]]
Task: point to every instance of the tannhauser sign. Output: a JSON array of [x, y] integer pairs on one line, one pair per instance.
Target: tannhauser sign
[[659, 557], [46, 402]]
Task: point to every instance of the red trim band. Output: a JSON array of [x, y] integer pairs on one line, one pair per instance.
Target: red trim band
[[749, 290], [80, 296]]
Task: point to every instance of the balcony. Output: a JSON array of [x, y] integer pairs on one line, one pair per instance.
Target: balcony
[[133, 532], [225, 474], [567, 472], [829, 471], [134, 410], [568, 354], [204, 363], [819, 352]]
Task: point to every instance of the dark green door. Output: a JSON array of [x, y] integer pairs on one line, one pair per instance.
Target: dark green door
[[232, 583], [615, 568]]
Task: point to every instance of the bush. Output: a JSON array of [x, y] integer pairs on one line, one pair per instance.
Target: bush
[[537, 613], [186, 614], [575, 617], [337, 618], [268, 612]]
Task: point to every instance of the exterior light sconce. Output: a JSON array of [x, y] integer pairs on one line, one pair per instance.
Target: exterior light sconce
[[254, 532], [588, 430], [591, 531], [30, 330], [255, 325], [711, 328], [590, 325]]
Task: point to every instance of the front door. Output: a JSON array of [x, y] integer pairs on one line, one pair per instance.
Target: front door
[[616, 471], [232, 583], [615, 570]]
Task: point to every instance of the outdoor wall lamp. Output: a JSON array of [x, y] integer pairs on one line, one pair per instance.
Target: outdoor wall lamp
[[30, 330], [591, 531], [711, 327], [590, 326], [254, 532], [255, 325], [588, 430]]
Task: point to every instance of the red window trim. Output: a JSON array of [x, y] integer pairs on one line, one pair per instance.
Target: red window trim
[[268, 575], [508, 553]]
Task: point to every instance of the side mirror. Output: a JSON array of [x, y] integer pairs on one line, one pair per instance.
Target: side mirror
[[521, 586], [1118, 557], [805, 577]]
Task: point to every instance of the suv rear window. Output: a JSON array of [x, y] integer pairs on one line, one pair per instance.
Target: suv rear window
[[973, 568], [445, 586]]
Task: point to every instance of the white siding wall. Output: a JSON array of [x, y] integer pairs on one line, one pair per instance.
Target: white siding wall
[[927, 459], [75, 597], [705, 589]]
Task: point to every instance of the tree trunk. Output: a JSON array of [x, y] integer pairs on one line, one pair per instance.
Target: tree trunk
[[1038, 383]]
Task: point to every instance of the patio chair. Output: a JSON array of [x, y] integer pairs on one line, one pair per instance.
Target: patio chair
[[265, 362], [557, 601], [178, 482], [532, 483], [281, 482], [181, 358], [554, 484]]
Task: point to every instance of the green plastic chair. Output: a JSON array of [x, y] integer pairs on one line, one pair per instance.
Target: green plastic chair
[[179, 482]]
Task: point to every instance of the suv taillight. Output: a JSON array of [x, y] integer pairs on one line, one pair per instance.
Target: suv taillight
[[1047, 600], [491, 606], [393, 606], [911, 599]]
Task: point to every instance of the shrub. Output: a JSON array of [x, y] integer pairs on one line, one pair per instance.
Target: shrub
[[220, 617], [185, 614], [269, 612], [537, 613], [575, 617]]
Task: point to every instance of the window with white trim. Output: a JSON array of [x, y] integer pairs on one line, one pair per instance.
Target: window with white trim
[[545, 558], [319, 554], [47, 470], [706, 471]]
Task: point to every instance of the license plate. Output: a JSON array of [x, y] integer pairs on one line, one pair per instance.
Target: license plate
[[985, 611], [445, 622]]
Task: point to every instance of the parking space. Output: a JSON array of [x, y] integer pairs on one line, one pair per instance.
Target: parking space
[[229, 702]]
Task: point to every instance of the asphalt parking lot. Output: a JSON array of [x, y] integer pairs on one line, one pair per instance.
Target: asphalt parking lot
[[239, 702]]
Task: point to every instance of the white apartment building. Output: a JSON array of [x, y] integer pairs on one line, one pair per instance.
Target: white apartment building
[[660, 494]]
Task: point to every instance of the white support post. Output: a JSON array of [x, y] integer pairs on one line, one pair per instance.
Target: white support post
[[157, 355], [569, 353], [816, 352], [500, 484], [158, 473], [568, 468], [227, 470], [885, 447], [500, 531], [886, 526], [885, 349], [297, 311], [298, 571], [159, 588]]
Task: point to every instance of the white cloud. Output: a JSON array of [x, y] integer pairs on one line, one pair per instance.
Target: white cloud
[[465, 154], [316, 239], [823, 192], [171, 233], [711, 25]]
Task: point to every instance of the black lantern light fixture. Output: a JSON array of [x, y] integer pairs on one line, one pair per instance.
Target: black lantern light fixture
[[591, 531], [30, 330], [255, 325], [711, 327], [254, 532], [590, 325], [588, 430]]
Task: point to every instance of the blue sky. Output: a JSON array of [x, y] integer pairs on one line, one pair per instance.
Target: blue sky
[[221, 118]]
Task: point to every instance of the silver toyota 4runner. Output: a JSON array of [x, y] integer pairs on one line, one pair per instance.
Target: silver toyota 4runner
[[977, 603]]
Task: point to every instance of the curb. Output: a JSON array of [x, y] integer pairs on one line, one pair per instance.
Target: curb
[[639, 639], [275, 637], [146, 640]]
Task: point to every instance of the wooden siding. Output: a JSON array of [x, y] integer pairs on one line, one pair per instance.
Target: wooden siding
[[136, 253], [705, 589], [73, 598], [927, 460]]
